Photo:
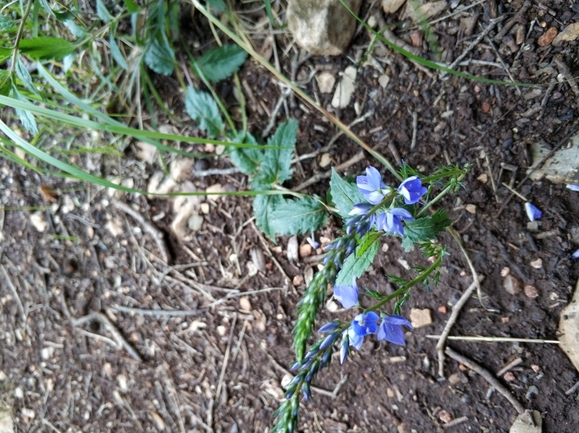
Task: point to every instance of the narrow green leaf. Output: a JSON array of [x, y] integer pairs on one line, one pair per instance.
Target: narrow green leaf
[[222, 62], [263, 206], [160, 56], [247, 160], [116, 53], [304, 215], [25, 77], [46, 47], [74, 28], [4, 82], [276, 166], [203, 109], [132, 7], [25, 116], [102, 11], [355, 265], [218, 5], [6, 23], [46, 6], [344, 194]]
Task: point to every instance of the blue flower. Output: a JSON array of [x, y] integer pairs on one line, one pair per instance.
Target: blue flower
[[371, 186], [329, 327], [575, 255], [391, 220], [533, 211], [412, 190], [358, 221], [347, 295], [362, 325], [391, 329], [573, 187]]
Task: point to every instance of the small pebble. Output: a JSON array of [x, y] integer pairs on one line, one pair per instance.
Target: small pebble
[[221, 330], [505, 271], [305, 250], [512, 285], [444, 416], [535, 368], [442, 309], [298, 280], [537, 264], [244, 303], [325, 160], [509, 376], [420, 317], [471, 208], [531, 291]]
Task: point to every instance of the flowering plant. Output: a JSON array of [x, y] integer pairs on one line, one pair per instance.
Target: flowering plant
[[370, 209]]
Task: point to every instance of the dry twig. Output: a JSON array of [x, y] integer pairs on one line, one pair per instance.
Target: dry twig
[[493, 381]]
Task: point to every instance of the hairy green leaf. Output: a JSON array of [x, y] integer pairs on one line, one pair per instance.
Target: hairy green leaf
[[222, 62], [6, 23], [344, 194], [116, 53], [160, 56], [276, 166], [355, 265], [46, 47], [25, 77], [424, 229], [303, 215], [247, 160], [25, 116], [102, 11], [203, 108], [263, 206]]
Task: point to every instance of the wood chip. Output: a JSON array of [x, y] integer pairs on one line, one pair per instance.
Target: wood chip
[[345, 88], [547, 37]]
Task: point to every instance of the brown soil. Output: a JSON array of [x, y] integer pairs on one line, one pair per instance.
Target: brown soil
[[221, 368]]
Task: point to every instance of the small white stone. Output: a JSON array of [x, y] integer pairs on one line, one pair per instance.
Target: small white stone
[[115, 227], [384, 80], [345, 88], [292, 249], [221, 330], [244, 303], [326, 81], [205, 208], [47, 352], [195, 223], [331, 306], [38, 221], [537, 264], [285, 380], [420, 317], [67, 205], [325, 160], [483, 178], [213, 189], [146, 152], [18, 393], [28, 413], [471, 208]]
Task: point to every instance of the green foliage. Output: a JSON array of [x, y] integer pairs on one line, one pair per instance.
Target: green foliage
[[247, 160], [102, 11], [356, 264], [25, 116], [6, 23], [263, 206], [221, 62], [276, 165], [425, 228], [160, 56], [303, 215], [46, 47], [203, 109], [218, 5], [344, 194]]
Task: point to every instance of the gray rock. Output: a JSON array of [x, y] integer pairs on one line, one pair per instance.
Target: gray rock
[[322, 27]]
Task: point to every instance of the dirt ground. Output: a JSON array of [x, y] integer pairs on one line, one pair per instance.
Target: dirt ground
[[81, 352]]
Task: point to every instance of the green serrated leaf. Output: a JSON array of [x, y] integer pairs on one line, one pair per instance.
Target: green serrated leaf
[[116, 53], [303, 215], [247, 160], [276, 166], [355, 265], [102, 11], [203, 109], [423, 229], [218, 5], [221, 62], [46, 47], [5, 54], [344, 194], [263, 206], [26, 117], [5, 82], [25, 77], [6, 23], [366, 242], [160, 56]]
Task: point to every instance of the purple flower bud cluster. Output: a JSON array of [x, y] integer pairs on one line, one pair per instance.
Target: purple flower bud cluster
[[375, 191]]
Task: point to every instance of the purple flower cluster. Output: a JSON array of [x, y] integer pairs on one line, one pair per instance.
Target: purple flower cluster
[[367, 323], [374, 191]]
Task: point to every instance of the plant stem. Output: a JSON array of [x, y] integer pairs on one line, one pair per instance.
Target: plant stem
[[407, 286], [19, 35]]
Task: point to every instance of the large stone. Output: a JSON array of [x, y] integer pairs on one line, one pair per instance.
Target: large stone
[[322, 27], [569, 329], [561, 167]]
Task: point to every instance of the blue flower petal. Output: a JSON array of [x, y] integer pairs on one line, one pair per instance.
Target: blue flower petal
[[533, 212], [347, 295], [575, 255], [328, 327], [573, 187], [412, 190]]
